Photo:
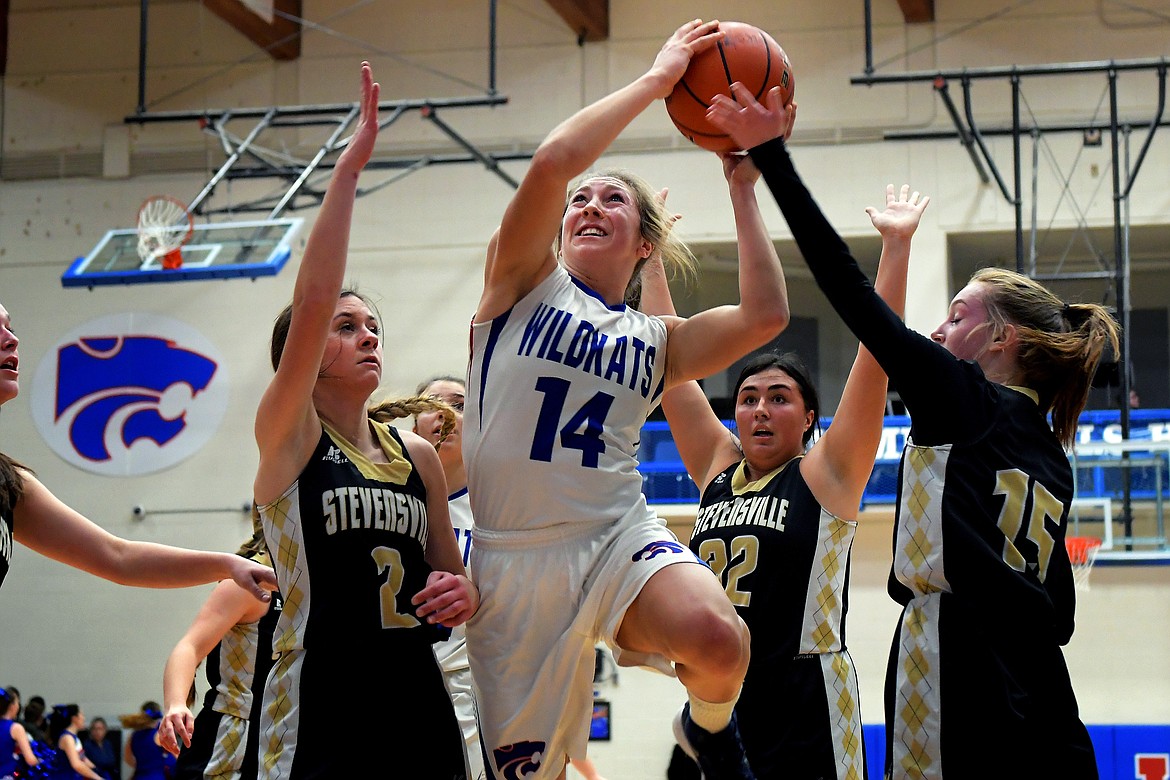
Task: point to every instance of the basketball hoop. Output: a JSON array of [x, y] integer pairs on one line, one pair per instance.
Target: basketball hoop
[[164, 225], [1082, 552]]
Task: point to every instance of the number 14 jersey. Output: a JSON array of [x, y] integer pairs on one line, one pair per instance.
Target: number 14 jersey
[[559, 388]]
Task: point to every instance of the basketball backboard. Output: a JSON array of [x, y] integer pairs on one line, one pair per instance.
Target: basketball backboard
[[222, 250]]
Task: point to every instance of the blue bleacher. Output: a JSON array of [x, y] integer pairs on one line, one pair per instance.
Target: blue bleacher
[[665, 480]]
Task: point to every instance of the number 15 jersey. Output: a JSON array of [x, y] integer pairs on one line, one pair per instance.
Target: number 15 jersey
[[559, 388]]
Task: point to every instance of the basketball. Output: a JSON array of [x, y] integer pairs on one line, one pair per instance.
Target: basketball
[[746, 54]]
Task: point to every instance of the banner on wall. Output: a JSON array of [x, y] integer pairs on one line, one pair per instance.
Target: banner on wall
[[1094, 425], [129, 394]]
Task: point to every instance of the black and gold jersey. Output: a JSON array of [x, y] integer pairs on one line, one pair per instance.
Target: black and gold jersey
[[979, 560], [784, 563]]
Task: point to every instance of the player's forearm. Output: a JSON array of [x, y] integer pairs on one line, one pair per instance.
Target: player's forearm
[[576, 143], [178, 675], [763, 294], [150, 565]]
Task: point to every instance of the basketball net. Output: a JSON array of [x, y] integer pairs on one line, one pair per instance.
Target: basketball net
[[1082, 552], [164, 225]]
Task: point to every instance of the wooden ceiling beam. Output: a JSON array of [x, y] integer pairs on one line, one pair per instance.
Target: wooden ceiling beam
[[588, 19], [281, 39], [3, 37], [915, 11]]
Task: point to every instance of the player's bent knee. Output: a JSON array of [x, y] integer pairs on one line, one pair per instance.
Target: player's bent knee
[[717, 640]]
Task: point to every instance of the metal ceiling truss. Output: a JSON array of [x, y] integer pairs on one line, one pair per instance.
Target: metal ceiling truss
[[971, 135], [304, 180]]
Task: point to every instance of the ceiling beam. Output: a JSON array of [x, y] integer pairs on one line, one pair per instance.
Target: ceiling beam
[[914, 11], [3, 37], [281, 39], [588, 19]]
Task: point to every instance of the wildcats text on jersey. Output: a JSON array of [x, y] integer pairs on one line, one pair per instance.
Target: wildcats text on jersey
[[352, 508], [764, 511], [627, 361]]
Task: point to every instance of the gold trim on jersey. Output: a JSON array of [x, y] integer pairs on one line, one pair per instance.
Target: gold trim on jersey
[[397, 470], [283, 521], [280, 717], [919, 565], [842, 696], [739, 477], [228, 754], [824, 600], [237, 667], [916, 749], [919, 533], [1026, 391]]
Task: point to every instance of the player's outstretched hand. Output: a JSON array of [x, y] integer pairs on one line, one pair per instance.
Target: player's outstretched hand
[[675, 55], [902, 213], [178, 724], [253, 577], [361, 144], [448, 599], [747, 121]]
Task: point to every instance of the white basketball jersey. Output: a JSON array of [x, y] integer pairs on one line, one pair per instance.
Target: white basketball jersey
[[452, 654], [559, 388]]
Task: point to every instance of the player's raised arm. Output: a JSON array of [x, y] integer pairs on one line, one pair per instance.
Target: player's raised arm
[[521, 253], [287, 424], [838, 467], [708, 341]]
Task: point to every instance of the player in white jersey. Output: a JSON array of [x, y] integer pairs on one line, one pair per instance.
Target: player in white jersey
[[452, 654], [563, 375]]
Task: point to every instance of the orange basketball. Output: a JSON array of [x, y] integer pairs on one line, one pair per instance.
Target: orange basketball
[[746, 54]]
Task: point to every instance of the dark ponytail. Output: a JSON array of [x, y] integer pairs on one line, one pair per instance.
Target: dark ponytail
[[11, 480]]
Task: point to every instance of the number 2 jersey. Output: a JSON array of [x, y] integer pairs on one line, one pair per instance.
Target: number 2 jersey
[[560, 386], [347, 541]]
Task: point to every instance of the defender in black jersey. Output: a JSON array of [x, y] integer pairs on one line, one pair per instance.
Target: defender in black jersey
[[214, 750], [233, 633], [355, 516], [777, 525], [977, 684]]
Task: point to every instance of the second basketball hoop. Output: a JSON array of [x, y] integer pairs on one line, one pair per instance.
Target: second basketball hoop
[[1082, 554], [164, 225]]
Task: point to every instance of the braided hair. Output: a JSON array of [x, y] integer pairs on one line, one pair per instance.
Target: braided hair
[[255, 548], [397, 408]]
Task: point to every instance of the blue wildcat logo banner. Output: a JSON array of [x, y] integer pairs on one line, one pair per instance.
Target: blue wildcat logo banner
[[129, 394]]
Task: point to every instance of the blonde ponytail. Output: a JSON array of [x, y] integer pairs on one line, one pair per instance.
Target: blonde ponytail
[[1060, 343]]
